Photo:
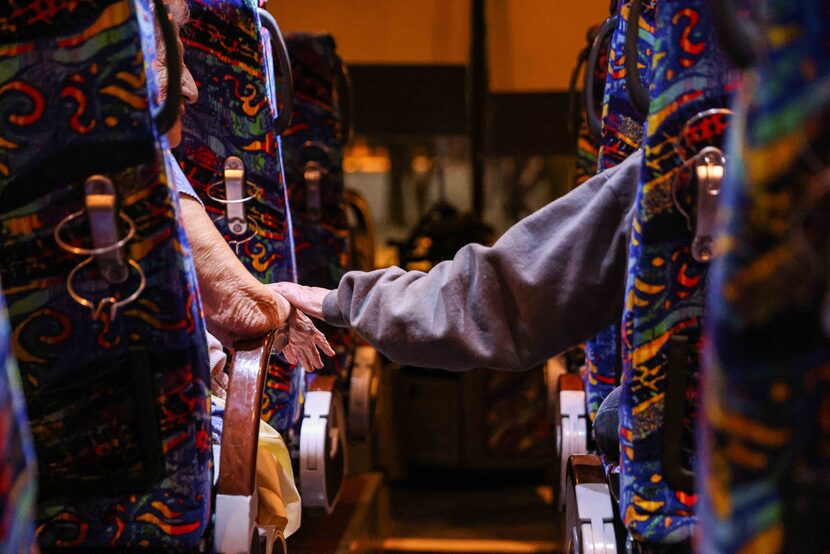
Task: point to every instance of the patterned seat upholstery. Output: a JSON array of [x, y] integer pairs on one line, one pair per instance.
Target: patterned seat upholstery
[[234, 117], [117, 398], [765, 438], [314, 175], [622, 135], [666, 285], [587, 144], [17, 455]]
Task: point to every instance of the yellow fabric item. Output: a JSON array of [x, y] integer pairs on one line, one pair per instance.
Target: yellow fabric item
[[271, 509], [279, 500]]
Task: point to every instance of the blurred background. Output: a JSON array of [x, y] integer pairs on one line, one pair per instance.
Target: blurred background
[[408, 63], [463, 104]]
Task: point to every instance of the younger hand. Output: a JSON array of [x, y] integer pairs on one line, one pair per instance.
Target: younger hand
[[301, 339], [307, 299]]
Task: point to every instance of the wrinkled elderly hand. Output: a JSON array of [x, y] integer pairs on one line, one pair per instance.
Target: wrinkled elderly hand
[[307, 299], [299, 340]]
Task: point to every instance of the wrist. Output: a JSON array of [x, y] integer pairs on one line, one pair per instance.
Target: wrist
[[330, 311]]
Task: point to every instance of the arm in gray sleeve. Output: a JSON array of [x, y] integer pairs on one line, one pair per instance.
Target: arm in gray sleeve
[[552, 280]]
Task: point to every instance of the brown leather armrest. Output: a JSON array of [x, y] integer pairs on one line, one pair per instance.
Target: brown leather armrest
[[240, 430], [585, 468], [323, 383], [571, 381]]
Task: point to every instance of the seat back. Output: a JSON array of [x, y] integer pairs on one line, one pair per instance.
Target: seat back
[[587, 144], [233, 123], [622, 124], [17, 455], [105, 316], [666, 284], [765, 448], [313, 150], [622, 135]]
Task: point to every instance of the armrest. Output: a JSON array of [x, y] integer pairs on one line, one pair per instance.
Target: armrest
[[571, 381], [240, 434], [585, 468], [321, 383]]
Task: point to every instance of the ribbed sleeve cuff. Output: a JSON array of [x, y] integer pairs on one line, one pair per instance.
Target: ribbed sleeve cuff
[[331, 311]]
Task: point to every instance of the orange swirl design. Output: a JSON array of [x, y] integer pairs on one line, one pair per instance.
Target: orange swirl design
[[33, 94], [65, 329]]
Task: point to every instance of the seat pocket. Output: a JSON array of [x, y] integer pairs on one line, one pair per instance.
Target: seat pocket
[[96, 429]]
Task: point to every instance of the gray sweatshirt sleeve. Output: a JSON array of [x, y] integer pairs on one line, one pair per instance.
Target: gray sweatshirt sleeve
[[552, 280]]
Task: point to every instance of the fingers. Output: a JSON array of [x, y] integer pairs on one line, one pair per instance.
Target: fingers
[[310, 356], [307, 299], [291, 291], [317, 362], [317, 338], [290, 356], [306, 364], [305, 360], [304, 353], [322, 343], [219, 384], [281, 287], [303, 340], [305, 356]]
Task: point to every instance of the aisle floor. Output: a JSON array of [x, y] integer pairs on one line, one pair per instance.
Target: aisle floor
[[376, 517]]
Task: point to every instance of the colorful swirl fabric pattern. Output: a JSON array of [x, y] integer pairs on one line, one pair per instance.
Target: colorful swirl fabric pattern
[[587, 150], [666, 286], [622, 125], [321, 232], [234, 116], [587, 144], [765, 438], [17, 455], [622, 135], [118, 406]]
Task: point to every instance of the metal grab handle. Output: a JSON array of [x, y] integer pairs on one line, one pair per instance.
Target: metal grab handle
[[315, 156], [99, 194], [709, 168], [733, 36], [637, 93], [283, 119], [595, 121], [114, 267], [111, 301], [363, 217], [313, 173], [103, 214], [343, 86], [169, 112], [250, 224], [234, 172], [92, 251]]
